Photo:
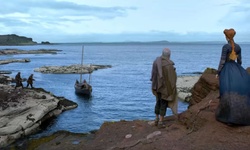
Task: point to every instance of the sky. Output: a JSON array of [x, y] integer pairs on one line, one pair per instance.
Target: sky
[[62, 21]]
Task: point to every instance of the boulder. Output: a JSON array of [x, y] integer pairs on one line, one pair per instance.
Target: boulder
[[207, 83]]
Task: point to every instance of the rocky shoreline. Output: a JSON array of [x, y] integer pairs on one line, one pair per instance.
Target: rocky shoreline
[[195, 128], [24, 110], [37, 105], [26, 60]]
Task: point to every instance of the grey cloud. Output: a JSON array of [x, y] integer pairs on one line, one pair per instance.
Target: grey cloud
[[46, 7], [53, 13]]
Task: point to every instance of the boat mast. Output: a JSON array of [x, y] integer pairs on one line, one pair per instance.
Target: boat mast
[[89, 73], [81, 65]]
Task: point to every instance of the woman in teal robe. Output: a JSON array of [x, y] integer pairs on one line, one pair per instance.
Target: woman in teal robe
[[234, 82]]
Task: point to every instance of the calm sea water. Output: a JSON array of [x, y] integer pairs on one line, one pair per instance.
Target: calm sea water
[[121, 92]]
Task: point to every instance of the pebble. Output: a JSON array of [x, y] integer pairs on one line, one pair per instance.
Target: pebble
[[128, 136]]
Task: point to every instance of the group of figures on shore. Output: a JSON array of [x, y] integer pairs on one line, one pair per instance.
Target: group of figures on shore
[[234, 85], [19, 81]]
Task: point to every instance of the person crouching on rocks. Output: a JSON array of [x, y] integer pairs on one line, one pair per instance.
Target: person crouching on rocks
[[30, 81], [18, 80]]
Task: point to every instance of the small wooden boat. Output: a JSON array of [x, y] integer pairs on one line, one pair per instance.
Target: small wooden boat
[[82, 87]]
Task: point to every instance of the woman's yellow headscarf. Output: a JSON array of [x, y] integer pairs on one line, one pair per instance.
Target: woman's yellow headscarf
[[230, 33]]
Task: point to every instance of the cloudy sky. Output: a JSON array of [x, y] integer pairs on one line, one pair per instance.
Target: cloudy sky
[[125, 20]]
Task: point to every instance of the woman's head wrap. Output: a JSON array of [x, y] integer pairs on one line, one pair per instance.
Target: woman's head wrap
[[166, 53], [230, 33]]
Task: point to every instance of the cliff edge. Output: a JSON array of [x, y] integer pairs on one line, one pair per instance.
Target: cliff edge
[[13, 39]]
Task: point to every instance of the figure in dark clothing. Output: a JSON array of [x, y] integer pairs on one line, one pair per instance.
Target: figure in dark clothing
[[234, 81], [85, 85], [30, 81], [164, 77], [18, 80], [77, 82]]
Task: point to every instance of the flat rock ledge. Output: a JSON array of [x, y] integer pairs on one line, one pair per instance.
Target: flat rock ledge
[[72, 69], [23, 110], [17, 51], [7, 61]]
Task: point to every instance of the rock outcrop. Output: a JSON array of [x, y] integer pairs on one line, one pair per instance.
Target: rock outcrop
[[206, 84], [5, 79], [45, 42], [77, 69], [7, 61], [22, 111], [17, 51], [5, 72], [13, 39]]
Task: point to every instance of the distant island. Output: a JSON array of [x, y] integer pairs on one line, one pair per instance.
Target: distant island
[[46, 42], [13, 39]]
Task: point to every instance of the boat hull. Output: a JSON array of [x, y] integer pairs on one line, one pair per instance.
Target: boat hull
[[80, 90]]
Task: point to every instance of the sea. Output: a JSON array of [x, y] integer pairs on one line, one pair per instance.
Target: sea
[[122, 92]]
